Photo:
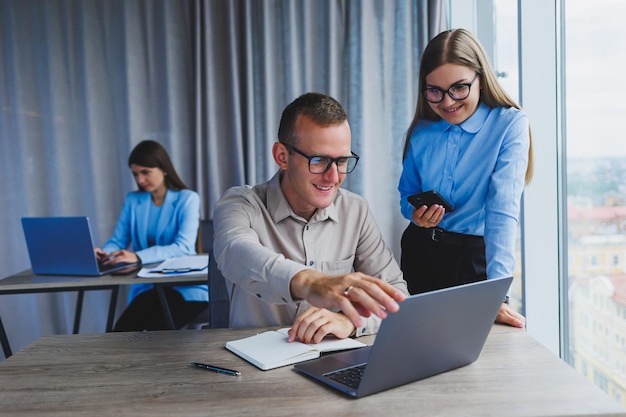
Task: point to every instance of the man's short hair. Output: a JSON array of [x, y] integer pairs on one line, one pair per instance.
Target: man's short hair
[[323, 110]]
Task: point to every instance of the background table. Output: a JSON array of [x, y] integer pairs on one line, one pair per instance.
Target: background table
[[27, 282], [148, 374]]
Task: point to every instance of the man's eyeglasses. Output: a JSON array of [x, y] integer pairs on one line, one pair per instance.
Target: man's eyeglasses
[[321, 164], [457, 92]]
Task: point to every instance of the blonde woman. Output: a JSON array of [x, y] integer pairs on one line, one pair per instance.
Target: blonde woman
[[471, 143]]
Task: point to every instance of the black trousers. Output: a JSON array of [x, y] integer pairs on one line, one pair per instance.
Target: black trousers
[[451, 260], [146, 313]]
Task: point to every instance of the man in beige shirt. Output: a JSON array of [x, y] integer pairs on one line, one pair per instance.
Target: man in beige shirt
[[299, 250]]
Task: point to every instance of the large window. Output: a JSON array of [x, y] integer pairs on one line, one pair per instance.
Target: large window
[[573, 263], [595, 52]]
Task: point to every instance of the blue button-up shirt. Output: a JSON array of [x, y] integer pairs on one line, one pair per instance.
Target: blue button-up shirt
[[479, 166]]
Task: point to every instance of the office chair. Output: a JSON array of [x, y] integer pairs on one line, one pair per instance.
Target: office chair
[[217, 314]]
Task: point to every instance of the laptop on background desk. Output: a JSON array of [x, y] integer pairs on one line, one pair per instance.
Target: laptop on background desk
[[433, 332], [63, 246]]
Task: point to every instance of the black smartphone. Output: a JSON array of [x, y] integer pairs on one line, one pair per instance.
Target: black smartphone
[[428, 198]]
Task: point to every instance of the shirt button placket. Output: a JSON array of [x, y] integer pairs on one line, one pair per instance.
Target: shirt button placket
[[305, 239], [308, 262]]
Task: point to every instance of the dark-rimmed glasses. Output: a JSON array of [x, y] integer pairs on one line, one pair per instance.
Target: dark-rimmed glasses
[[321, 164], [457, 91]]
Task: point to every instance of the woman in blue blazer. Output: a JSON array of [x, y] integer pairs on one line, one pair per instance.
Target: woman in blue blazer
[[158, 221]]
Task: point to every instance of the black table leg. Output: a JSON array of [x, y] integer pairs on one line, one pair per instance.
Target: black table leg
[[5, 341], [112, 305], [165, 306], [79, 310]]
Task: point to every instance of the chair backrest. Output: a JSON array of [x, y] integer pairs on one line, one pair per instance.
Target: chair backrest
[[199, 246], [219, 300]]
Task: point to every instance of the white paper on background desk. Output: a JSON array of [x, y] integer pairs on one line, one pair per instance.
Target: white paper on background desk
[[198, 263], [269, 350]]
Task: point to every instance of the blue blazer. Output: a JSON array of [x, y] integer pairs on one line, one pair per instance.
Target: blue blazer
[[176, 234]]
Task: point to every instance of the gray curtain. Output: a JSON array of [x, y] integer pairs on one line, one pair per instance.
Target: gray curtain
[[257, 56], [81, 82]]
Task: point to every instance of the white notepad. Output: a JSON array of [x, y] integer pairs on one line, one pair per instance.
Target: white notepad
[[269, 350], [191, 265]]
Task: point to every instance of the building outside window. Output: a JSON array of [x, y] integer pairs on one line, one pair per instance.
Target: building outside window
[[595, 50]]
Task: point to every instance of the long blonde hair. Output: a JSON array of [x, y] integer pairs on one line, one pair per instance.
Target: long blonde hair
[[460, 47]]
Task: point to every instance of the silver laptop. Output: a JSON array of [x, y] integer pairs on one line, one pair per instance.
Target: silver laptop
[[63, 246], [432, 333]]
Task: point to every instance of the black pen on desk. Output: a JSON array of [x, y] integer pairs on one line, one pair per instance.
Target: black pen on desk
[[216, 369]]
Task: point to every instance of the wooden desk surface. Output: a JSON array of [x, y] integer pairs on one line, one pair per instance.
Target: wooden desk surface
[[27, 282], [148, 374]]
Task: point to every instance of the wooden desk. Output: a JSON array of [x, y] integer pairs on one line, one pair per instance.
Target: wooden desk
[[27, 282], [148, 374]]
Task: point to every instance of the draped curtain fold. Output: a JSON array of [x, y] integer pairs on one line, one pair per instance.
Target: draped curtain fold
[[83, 81], [257, 56]]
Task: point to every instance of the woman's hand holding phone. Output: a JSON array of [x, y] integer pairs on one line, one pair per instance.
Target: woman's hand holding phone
[[430, 207]]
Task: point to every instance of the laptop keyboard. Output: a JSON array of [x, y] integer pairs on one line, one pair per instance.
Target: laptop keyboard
[[349, 376]]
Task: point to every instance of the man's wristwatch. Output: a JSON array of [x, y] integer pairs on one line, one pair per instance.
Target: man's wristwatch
[[506, 299]]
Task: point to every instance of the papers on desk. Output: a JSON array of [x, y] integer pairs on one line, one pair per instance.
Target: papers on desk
[[195, 265], [271, 349]]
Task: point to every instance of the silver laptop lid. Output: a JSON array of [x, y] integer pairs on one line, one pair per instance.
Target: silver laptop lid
[[432, 333]]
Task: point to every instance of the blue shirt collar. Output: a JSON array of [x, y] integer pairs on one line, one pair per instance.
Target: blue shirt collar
[[474, 123]]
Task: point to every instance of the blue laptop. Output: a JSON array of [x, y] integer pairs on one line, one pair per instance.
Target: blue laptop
[[63, 246]]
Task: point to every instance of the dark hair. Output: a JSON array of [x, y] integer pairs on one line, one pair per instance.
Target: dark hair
[[320, 108], [460, 47], [151, 154]]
